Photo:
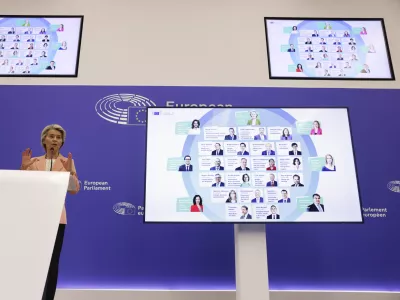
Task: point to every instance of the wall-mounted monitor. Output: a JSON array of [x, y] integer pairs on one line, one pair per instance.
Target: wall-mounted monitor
[[328, 49], [40, 46], [250, 165]]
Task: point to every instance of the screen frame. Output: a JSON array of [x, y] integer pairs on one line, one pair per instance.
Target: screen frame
[[392, 78], [81, 17], [258, 222]]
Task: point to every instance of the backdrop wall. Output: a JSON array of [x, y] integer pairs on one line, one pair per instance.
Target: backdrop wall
[[180, 42], [104, 249]]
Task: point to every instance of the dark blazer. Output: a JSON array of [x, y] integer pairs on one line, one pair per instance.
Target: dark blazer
[[270, 217], [228, 137], [182, 168], [221, 152], [313, 207], [292, 152]]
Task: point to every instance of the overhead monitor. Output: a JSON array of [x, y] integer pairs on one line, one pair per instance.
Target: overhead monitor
[[40, 46], [313, 48], [250, 165]]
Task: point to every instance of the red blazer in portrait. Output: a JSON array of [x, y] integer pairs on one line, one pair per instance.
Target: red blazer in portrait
[[195, 208]]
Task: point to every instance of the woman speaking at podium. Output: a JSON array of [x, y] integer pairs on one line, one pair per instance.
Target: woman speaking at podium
[[52, 139]]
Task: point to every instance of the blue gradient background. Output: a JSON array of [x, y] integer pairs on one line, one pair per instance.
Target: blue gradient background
[[105, 250]]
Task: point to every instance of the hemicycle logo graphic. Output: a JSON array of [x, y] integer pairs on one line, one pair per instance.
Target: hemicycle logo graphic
[[125, 209], [394, 186], [124, 109]]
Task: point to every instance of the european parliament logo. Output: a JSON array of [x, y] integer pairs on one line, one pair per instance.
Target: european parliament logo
[[124, 109], [125, 209], [394, 186]]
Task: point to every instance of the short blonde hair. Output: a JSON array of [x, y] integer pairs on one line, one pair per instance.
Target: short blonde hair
[[46, 130]]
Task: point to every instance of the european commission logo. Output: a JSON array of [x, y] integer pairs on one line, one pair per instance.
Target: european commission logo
[[125, 209], [394, 186], [124, 109]]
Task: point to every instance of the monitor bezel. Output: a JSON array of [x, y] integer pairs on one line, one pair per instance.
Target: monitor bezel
[[392, 78], [256, 222]]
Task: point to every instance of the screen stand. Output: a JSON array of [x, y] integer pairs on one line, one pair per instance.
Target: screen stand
[[251, 262]]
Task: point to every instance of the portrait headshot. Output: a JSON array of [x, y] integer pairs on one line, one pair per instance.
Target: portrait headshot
[[195, 128], [197, 204], [187, 166], [254, 119]]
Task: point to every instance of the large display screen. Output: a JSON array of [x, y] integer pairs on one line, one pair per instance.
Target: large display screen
[[328, 49], [250, 165], [40, 45]]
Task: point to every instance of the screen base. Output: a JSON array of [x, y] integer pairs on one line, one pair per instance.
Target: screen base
[[251, 263]]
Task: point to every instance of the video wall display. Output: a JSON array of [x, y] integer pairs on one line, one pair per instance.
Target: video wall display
[[328, 49], [250, 165], [40, 45]]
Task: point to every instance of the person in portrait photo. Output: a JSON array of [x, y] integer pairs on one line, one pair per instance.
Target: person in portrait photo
[[26, 23], [294, 150], [308, 41], [232, 197], [52, 141], [353, 49], [332, 66], [231, 135], [197, 204], [268, 150], [285, 134], [195, 128], [310, 57], [366, 69], [296, 164], [285, 198], [245, 213], [316, 129], [243, 165], [242, 150], [327, 26], [35, 62], [340, 57], [27, 70], [309, 49], [30, 46], [218, 182], [11, 31], [354, 57], [15, 47], [30, 54], [316, 206], [325, 56], [20, 63], [261, 135], [274, 215], [271, 165], [319, 65], [299, 68], [272, 181], [44, 54], [326, 73], [337, 42], [218, 150], [5, 62], [323, 49], [29, 31], [296, 180], [31, 39], [46, 39], [332, 34], [257, 197], [60, 28], [42, 31], [12, 70], [254, 119], [322, 41], [1, 54], [187, 166], [339, 49], [245, 181], [291, 49], [346, 34], [52, 66], [63, 46], [45, 45], [371, 49], [363, 31], [15, 54], [352, 42], [3, 38], [17, 38], [341, 73], [294, 30], [217, 165], [315, 34], [329, 163], [347, 65]]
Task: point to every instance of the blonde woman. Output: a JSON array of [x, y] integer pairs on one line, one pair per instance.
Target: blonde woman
[[52, 140]]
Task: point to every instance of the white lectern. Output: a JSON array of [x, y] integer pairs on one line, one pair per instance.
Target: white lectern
[[31, 203], [251, 262]]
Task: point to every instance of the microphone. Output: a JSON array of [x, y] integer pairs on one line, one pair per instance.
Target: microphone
[[51, 158]]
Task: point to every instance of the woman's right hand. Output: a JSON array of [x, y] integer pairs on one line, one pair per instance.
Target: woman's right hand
[[26, 159]]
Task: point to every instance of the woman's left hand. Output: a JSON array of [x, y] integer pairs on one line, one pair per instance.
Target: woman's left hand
[[68, 163]]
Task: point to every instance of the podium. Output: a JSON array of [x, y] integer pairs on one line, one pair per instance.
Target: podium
[[31, 204], [251, 263]]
